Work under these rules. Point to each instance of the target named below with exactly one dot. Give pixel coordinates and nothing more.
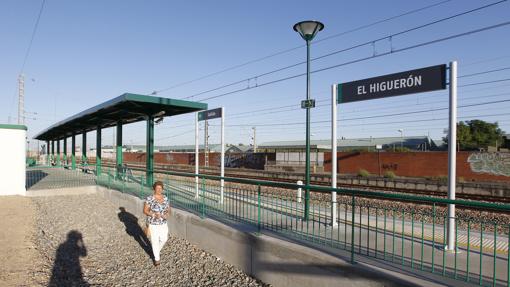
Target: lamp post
(308, 30)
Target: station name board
(409, 82)
(209, 114)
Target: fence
(401, 230)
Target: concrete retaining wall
(272, 260)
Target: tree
(477, 134)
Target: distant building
(292, 153)
(506, 141)
(213, 148)
(423, 143)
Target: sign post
(222, 168)
(196, 157)
(452, 155)
(207, 115)
(333, 156)
(403, 83)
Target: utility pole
(254, 139)
(206, 144)
(21, 99)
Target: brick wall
(411, 164)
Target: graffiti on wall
(390, 166)
(248, 160)
(493, 163)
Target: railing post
(299, 191)
(203, 197)
(141, 186)
(167, 184)
(258, 209)
(353, 206)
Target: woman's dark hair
(157, 183)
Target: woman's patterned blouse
(156, 206)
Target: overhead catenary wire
(422, 44)
(377, 116)
(29, 48)
(298, 107)
(484, 72)
(359, 28)
(342, 50)
(34, 31)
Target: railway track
(438, 194)
(464, 196)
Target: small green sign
(209, 114)
(308, 104)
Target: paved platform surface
(18, 253)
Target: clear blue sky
(86, 52)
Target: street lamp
(308, 30)
(401, 139)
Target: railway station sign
(209, 114)
(307, 104)
(403, 83)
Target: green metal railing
(402, 230)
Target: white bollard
(299, 190)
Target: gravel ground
(86, 241)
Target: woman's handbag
(147, 231)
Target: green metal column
(58, 153)
(84, 148)
(48, 160)
(52, 151)
(65, 151)
(73, 151)
(118, 148)
(98, 151)
(150, 151)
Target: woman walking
(157, 209)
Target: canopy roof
(127, 108)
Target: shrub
(389, 174)
(363, 173)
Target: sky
(86, 52)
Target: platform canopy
(127, 108)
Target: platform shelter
(125, 109)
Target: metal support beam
(150, 151)
(64, 142)
(98, 151)
(118, 149)
(52, 152)
(48, 159)
(58, 153)
(84, 148)
(73, 151)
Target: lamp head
(308, 29)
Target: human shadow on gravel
(66, 268)
(134, 230)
